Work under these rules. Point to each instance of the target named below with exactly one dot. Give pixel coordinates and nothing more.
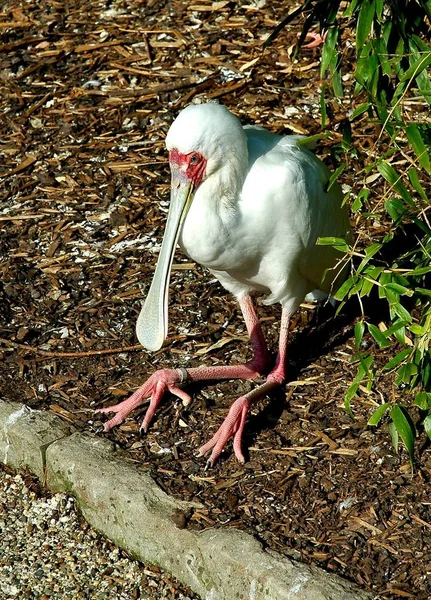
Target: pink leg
(168, 379)
(233, 425)
(317, 39)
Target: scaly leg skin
(233, 425)
(317, 39)
(168, 379)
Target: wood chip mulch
(88, 93)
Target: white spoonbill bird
(249, 205)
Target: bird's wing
(285, 193)
(328, 218)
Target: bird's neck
(229, 180)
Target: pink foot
(317, 39)
(160, 382)
(233, 426)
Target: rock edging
(120, 499)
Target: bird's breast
(207, 235)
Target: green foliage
(391, 59)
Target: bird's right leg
(317, 39)
(169, 379)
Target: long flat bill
(152, 324)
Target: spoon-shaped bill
(152, 324)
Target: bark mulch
(88, 93)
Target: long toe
(232, 427)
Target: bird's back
(293, 181)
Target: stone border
(121, 501)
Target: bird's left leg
(233, 425)
(169, 380)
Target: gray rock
(25, 434)
(120, 500)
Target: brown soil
(89, 91)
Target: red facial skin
(193, 165)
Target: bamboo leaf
(390, 174)
(417, 67)
(415, 139)
(329, 53)
(423, 400)
(402, 312)
(351, 393)
(399, 289)
(369, 253)
(359, 333)
(338, 243)
(418, 271)
(397, 359)
(427, 425)
(359, 110)
(345, 288)
(378, 414)
(380, 338)
(334, 176)
(393, 432)
(365, 21)
(405, 373)
(416, 184)
(405, 429)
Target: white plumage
(249, 205)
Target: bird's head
(204, 141)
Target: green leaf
(418, 271)
(417, 329)
(359, 333)
(338, 243)
(367, 286)
(402, 312)
(359, 110)
(365, 21)
(415, 139)
(323, 114)
(396, 209)
(362, 196)
(423, 400)
(396, 327)
(349, 286)
(427, 425)
(370, 251)
(356, 204)
(405, 373)
(390, 174)
(351, 8)
(379, 10)
(380, 338)
(399, 289)
(405, 429)
(329, 53)
(334, 176)
(423, 291)
(394, 435)
(416, 184)
(351, 393)
(418, 66)
(397, 359)
(378, 414)
(364, 367)
(400, 332)
(337, 84)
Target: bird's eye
(194, 159)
